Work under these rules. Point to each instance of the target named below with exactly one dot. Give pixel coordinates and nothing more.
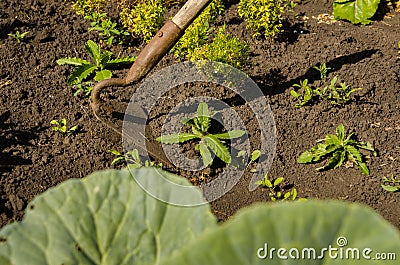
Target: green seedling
(84, 87)
(390, 184)
(19, 36)
(276, 192)
(323, 70)
(61, 126)
(337, 95)
(214, 142)
(101, 60)
(253, 158)
(305, 95)
(132, 159)
(106, 28)
(340, 149)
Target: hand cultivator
(155, 50)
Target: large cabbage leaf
(105, 218)
(251, 236)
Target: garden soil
(33, 91)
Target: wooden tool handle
(189, 12)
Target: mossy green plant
(199, 33)
(143, 18)
(224, 48)
(263, 15)
(86, 7)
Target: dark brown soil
(34, 92)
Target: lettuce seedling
(61, 126)
(341, 149)
(101, 61)
(133, 160)
(214, 142)
(276, 192)
(19, 36)
(305, 96)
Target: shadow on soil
(9, 138)
(274, 82)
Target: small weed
(19, 36)
(340, 149)
(84, 87)
(101, 60)
(108, 29)
(390, 184)
(337, 95)
(253, 158)
(132, 159)
(305, 95)
(61, 126)
(214, 142)
(276, 192)
(323, 70)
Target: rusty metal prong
(96, 105)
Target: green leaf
(104, 58)
(305, 157)
(218, 148)
(176, 138)
(105, 218)
(294, 94)
(331, 139)
(230, 135)
(205, 154)
(355, 11)
(103, 74)
(366, 146)
(255, 155)
(121, 61)
(116, 160)
(335, 161)
(80, 73)
(390, 188)
(340, 132)
(94, 51)
(202, 110)
(241, 153)
(72, 61)
(114, 152)
(278, 181)
(288, 226)
(358, 158)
